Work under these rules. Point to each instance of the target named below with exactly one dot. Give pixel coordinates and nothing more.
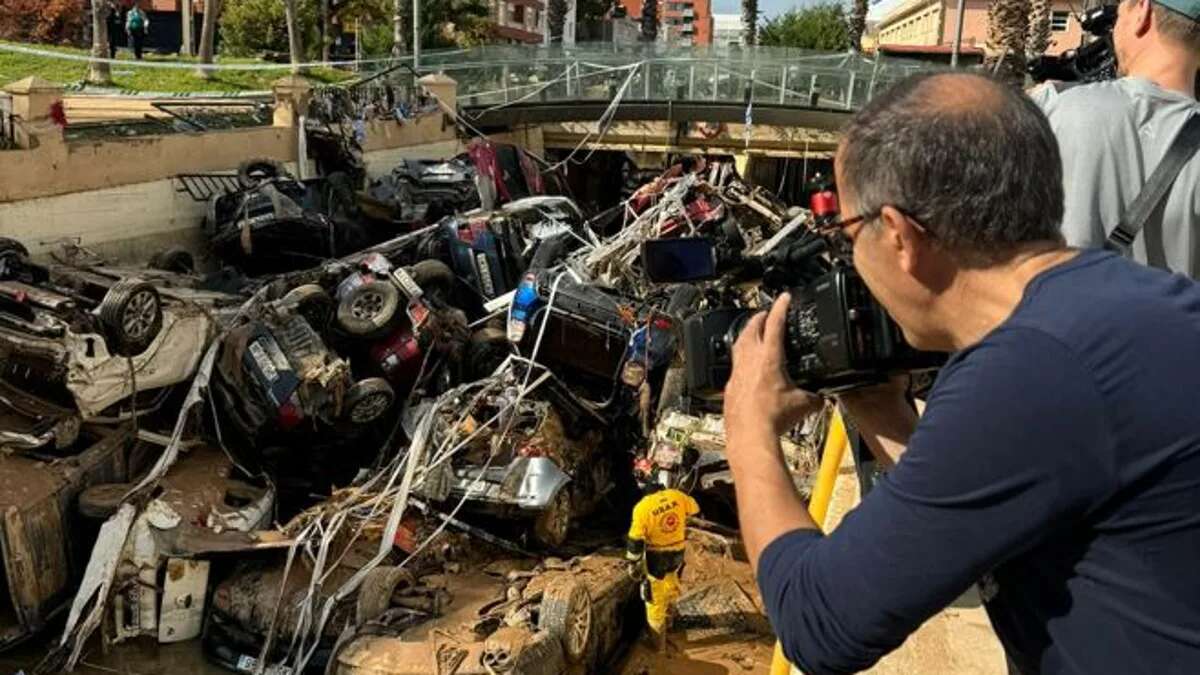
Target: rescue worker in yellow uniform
(655, 549)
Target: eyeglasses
(841, 244)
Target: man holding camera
(1058, 456)
(1113, 135)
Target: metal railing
(8, 125)
(503, 75)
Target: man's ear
(1144, 17)
(899, 233)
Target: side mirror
(679, 260)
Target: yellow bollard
(818, 506)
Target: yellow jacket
(660, 521)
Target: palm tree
(208, 33)
(1039, 28)
(1008, 27)
(556, 16)
(749, 21)
(399, 42)
(650, 21)
(858, 24)
(98, 71)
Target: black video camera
(838, 336)
(1091, 62)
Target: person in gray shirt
(1113, 134)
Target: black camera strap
(1146, 204)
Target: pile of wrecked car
(376, 425)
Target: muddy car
(549, 468)
(44, 542)
(276, 223)
(427, 190)
(559, 618)
(82, 339)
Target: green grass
(14, 66)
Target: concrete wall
(118, 197)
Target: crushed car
(80, 339)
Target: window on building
(1058, 20)
(518, 14)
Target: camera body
(1091, 62)
(838, 337)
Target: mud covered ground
(958, 641)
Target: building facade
(931, 23)
(518, 21)
(727, 29)
(680, 22)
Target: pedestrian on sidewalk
(114, 27)
(137, 24)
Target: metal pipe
(958, 29)
(416, 47)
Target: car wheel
(311, 302)
(375, 594)
(10, 246)
(131, 312)
(368, 310)
(102, 501)
(255, 171)
(174, 259)
(552, 524)
(12, 252)
(566, 612)
(434, 277)
(368, 400)
(486, 350)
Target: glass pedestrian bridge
(499, 76)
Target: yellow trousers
(663, 594)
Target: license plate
(407, 283)
(263, 361)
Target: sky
(770, 8)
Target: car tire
(375, 594)
(12, 253)
(255, 171)
(434, 277)
(369, 310)
(486, 350)
(12, 246)
(566, 612)
(552, 524)
(311, 302)
(174, 259)
(368, 400)
(100, 502)
(131, 313)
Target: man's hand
(883, 417)
(759, 395)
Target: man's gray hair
(972, 160)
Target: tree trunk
(325, 30)
(1039, 28)
(208, 33)
(650, 21)
(187, 27)
(858, 24)
(749, 22)
(99, 73)
(1008, 27)
(295, 46)
(398, 44)
(556, 16)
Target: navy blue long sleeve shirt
(1058, 458)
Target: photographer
(1058, 458)
(1113, 134)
